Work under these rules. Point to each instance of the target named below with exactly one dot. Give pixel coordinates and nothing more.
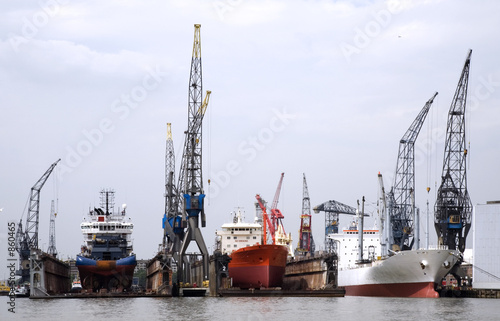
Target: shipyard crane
(453, 208)
(276, 215)
(51, 250)
(266, 220)
(332, 210)
(172, 227)
(190, 185)
(401, 207)
(28, 238)
(384, 222)
(306, 241)
(274, 222)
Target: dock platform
(233, 292)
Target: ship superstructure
(411, 273)
(238, 234)
(106, 259)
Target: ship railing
(437, 247)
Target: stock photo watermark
(249, 149)
(122, 108)
(31, 25)
(223, 7)
(364, 36)
(11, 265)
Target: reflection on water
(270, 308)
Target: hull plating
(258, 266)
(406, 274)
(108, 274)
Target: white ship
(413, 273)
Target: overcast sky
(325, 88)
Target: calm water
(268, 309)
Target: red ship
(258, 266)
(254, 263)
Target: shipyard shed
(486, 234)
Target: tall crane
(453, 208)
(28, 239)
(332, 210)
(52, 231)
(172, 227)
(401, 209)
(306, 241)
(190, 184)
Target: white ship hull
(406, 274)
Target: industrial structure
(306, 241)
(401, 198)
(184, 204)
(332, 210)
(453, 208)
(27, 239)
(51, 250)
(273, 222)
(45, 274)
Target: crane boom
(401, 210)
(332, 210)
(453, 209)
(34, 208)
(28, 239)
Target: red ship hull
(258, 266)
(407, 290)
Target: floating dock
(233, 292)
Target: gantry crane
(332, 210)
(306, 241)
(400, 198)
(453, 209)
(190, 186)
(28, 239)
(52, 231)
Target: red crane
(272, 221)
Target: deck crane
(51, 250)
(306, 241)
(453, 208)
(190, 185)
(400, 203)
(28, 239)
(332, 210)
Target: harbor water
(260, 308)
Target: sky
(325, 88)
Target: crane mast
(52, 231)
(306, 241)
(190, 185)
(401, 209)
(172, 230)
(453, 208)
